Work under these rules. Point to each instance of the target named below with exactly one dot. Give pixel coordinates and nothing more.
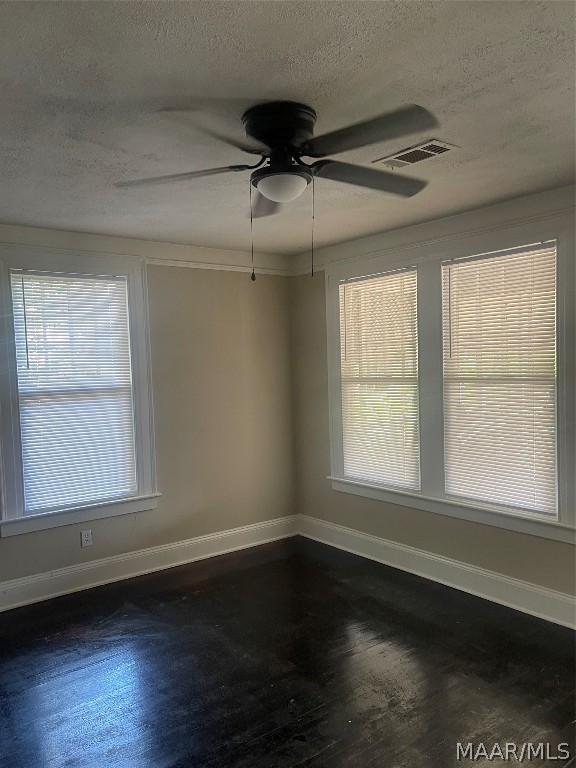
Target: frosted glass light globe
(282, 187)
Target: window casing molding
(13, 520)
(427, 257)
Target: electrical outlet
(86, 538)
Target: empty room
(287, 384)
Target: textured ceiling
(81, 84)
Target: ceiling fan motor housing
(280, 123)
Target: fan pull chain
(253, 275)
(312, 244)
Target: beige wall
(539, 561)
(241, 412)
(220, 366)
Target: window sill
(525, 523)
(46, 520)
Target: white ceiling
(81, 84)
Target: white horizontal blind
(499, 325)
(75, 389)
(379, 369)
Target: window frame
(428, 257)
(13, 520)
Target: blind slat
(75, 389)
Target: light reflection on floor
(110, 709)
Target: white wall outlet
(86, 538)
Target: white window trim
(428, 257)
(12, 519)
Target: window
(499, 318)
(450, 380)
(379, 364)
(76, 435)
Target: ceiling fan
(281, 132)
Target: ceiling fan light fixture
(281, 186)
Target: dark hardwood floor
(291, 654)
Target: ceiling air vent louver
(416, 154)
(437, 149)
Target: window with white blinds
(379, 379)
(499, 342)
(451, 378)
(75, 390)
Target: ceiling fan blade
(246, 145)
(182, 176)
(368, 177)
(401, 122)
(262, 206)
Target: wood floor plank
(291, 655)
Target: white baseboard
(43, 586)
(529, 598)
(547, 604)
